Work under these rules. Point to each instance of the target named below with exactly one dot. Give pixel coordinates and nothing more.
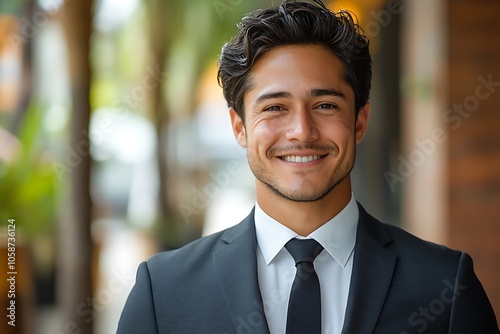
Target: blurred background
(115, 141)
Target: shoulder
(405, 239)
(407, 246)
(198, 254)
(191, 254)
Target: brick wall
(474, 132)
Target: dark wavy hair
(293, 23)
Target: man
(297, 81)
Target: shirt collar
(337, 236)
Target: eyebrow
(273, 95)
(313, 92)
(324, 92)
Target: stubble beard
(264, 176)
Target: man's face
(300, 126)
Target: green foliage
(10, 7)
(28, 183)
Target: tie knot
(303, 249)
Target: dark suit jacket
(400, 284)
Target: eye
(326, 106)
(274, 108)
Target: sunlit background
(115, 141)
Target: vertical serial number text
(11, 271)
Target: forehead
(298, 68)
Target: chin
(299, 195)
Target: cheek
(341, 134)
(336, 124)
(264, 135)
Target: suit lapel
(236, 266)
(372, 272)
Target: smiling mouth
(301, 159)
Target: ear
(238, 128)
(362, 122)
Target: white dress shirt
(276, 267)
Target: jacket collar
(236, 266)
(372, 273)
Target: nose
(302, 126)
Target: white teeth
(301, 159)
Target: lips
(301, 159)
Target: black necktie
(304, 307)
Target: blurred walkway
(122, 251)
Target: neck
(305, 217)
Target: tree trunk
(27, 72)
(159, 43)
(75, 277)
